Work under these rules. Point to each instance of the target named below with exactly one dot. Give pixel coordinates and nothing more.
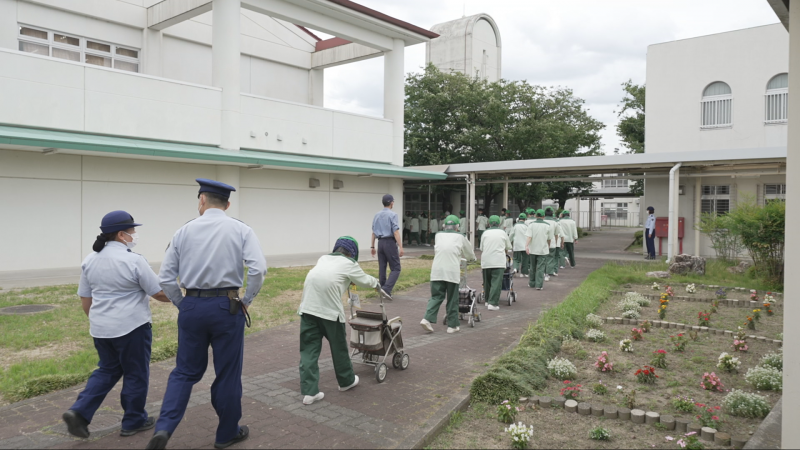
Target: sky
(589, 46)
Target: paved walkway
(394, 414)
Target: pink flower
(682, 443)
(714, 418)
(691, 434)
(669, 438)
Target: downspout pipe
(672, 233)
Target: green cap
(494, 220)
(452, 220)
(462, 212)
(565, 212)
(523, 216)
(529, 211)
(548, 209)
(540, 212)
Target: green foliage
(507, 411)
(745, 404)
(44, 384)
(762, 230)
(638, 237)
(600, 389)
(684, 404)
(164, 350)
(726, 243)
(600, 434)
(630, 127)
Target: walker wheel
(397, 359)
(514, 297)
(478, 318)
(380, 372)
(471, 321)
(509, 299)
(405, 361)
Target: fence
(603, 218)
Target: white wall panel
(46, 233)
(351, 215)
(8, 24)
(14, 164)
(274, 80)
(186, 61)
(292, 122)
(377, 186)
(90, 19)
(357, 137)
(46, 105)
(133, 85)
(283, 180)
(118, 170)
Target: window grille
(715, 199)
(716, 107)
(78, 49)
(776, 99)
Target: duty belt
(220, 292)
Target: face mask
(134, 241)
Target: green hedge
(523, 370)
(638, 237)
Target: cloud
(589, 46)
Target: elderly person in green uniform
(570, 229)
(423, 229)
(482, 221)
(551, 268)
(322, 315)
(463, 223)
(434, 228)
(537, 245)
(508, 222)
(450, 247)
(531, 213)
(414, 230)
(494, 245)
(517, 237)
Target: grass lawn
(56, 346)
(522, 372)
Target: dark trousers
(521, 262)
(569, 247)
(126, 357)
(388, 254)
(203, 322)
(441, 291)
(312, 330)
(551, 266)
(537, 269)
(651, 244)
(492, 285)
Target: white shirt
(508, 224)
(483, 221)
(494, 245)
(120, 284)
(539, 231)
(554, 231)
(415, 225)
(518, 237)
(651, 223)
(327, 282)
(463, 226)
(434, 226)
(423, 223)
(570, 229)
(210, 252)
(450, 247)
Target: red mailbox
(662, 231)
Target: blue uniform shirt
(120, 284)
(385, 223)
(650, 225)
(210, 253)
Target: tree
(452, 118)
(630, 128)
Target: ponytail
(100, 241)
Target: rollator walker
(467, 300)
(374, 338)
(508, 283)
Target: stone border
(714, 287)
(685, 327)
(722, 302)
(637, 416)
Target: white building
(717, 93)
(469, 45)
(121, 104)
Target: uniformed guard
(414, 230)
(551, 268)
(570, 229)
(208, 256)
(494, 245)
(650, 233)
(450, 247)
(115, 289)
(517, 238)
(482, 221)
(537, 245)
(322, 315)
(434, 228)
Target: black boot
(244, 433)
(148, 424)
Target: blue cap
(650, 208)
(388, 199)
(215, 187)
(117, 221)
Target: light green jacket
(483, 222)
(556, 232)
(508, 225)
(518, 237)
(434, 225)
(539, 231)
(463, 226)
(494, 245)
(570, 229)
(450, 247)
(327, 282)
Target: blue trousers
(126, 357)
(203, 322)
(388, 253)
(651, 244)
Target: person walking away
(531, 213)
(551, 268)
(570, 229)
(208, 256)
(450, 247)
(494, 245)
(508, 223)
(650, 233)
(115, 289)
(423, 229)
(414, 235)
(537, 245)
(518, 239)
(386, 229)
(481, 221)
(322, 315)
(434, 228)
(463, 225)
(561, 253)
(407, 227)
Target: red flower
(647, 372)
(717, 408)
(714, 418)
(700, 404)
(566, 381)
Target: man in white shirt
(570, 229)
(508, 222)
(414, 230)
(434, 228)
(517, 237)
(539, 236)
(494, 245)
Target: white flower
(619, 387)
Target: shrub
(638, 237)
(627, 304)
(645, 326)
(595, 335)
(603, 363)
(507, 411)
(630, 314)
(638, 298)
(636, 334)
(745, 404)
(740, 345)
(774, 360)
(703, 319)
(600, 388)
(561, 368)
(709, 416)
(726, 244)
(569, 391)
(679, 342)
(594, 320)
(520, 435)
(571, 346)
(711, 382)
(646, 375)
(600, 434)
(765, 378)
(659, 359)
(683, 404)
(762, 233)
(728, 363)
(626, 345)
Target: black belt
(385, 237)
(220, 292)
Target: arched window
(776, 100)
(716, 107)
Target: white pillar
(471, 209)
(790, 432)
(226, 66)
(577, 217)
(9, 29)
(698, 187)
(152, 52)
(394, 97)
(316, 87)
(676, 213)
(505, 194)
(230, 175)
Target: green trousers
(478, 237)
(413, 236)
(569, 248)
(432, 238)
(551, 266)
(492, 285)
(441, 291)
(538, 263)
(312, 330)
(422, 235)
(521, 262)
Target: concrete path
(398, 413)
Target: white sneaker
(342, 389)
(307, 400)
(538, 289)
(453, 330)
(547, 278)
(553, 274)
(492, 307)
(562, 267)
(426, 325)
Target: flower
(619, 387)
(691, 433)
(669, 438)
(682, 443)
(714, 417)
(567, 382)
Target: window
(615, 183)
(615, 210)
(716, 107)
(716, 199)
(776, 100)
(774, 192)
(78, 49)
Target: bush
(638, 237)
(726, 243)
(595, 335)
(727, 362)
(629, 304)
(774, 360)
(630, 314)
(46, 383)
(166, 350)
(561, 368)
(684, 404)
(600, 434)
(638, 298)
(571, 346)
(765, 378)
(745, 404)
(594, 320)
(761, 229)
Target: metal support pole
(428, 214)
(471, 209)
(698, 186)
(505, 194)
(578, 211)
(672, 233)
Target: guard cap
(215, 187)
(117, 221)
